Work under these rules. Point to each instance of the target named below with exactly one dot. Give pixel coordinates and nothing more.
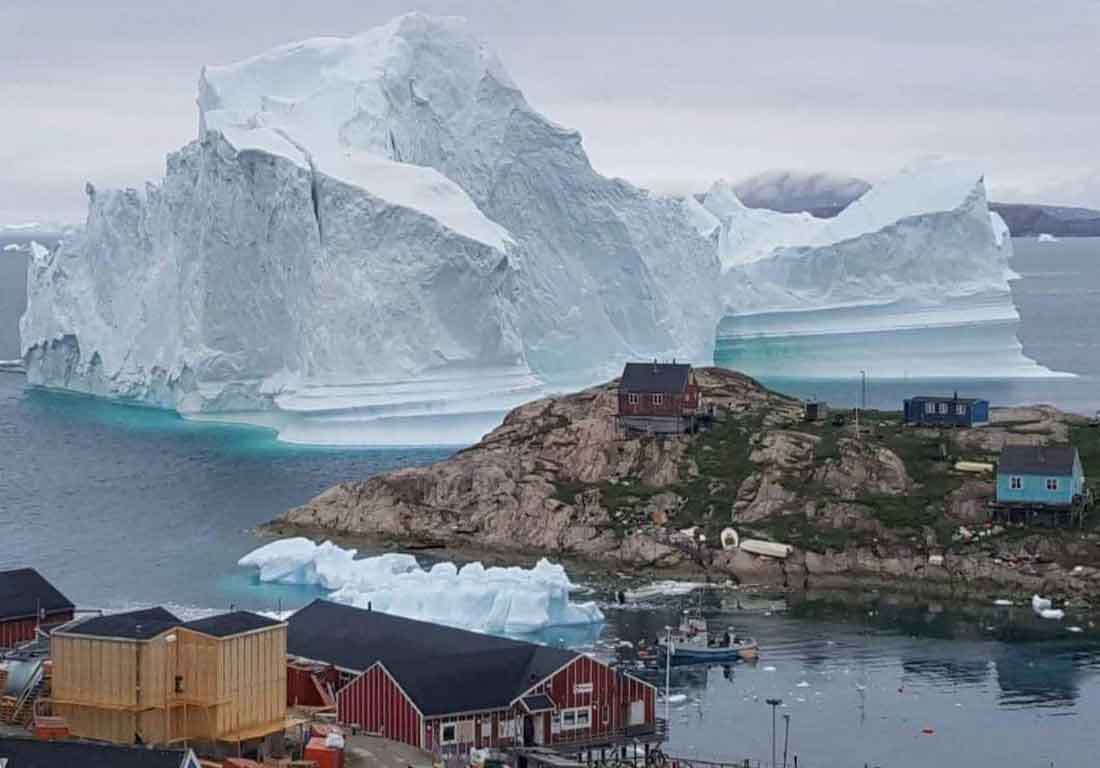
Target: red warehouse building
(27, 602)
(659, 398)
(448, 690)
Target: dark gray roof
(24, 590)
(538, 702)
(132, 625)
(228, 624)
(1037, 460)
(946, 399)
(31, 753)
(655, 377)
(443, 670)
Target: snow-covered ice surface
(511, 600)
(377, 240)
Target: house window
(943, 409)
(448, 733)
(658, 399)
(960, 410)
(929, 408)
(576, 718)
(1052, 484)
(606, 714)
(1016, 483)
(507, 729)
(632, 398)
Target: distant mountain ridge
(824, 195)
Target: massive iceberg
(376, 239)
(498, 600)
(920, 255)
(367, 230)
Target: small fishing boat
(693, 643)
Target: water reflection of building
(962, 670)
(1030, 676)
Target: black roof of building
(24, 591)
(946, 399)
(1037, 460)
(31, 753)
(537, 702)
(132, 625)
(655, 377)
(443, 670)
(229, 624)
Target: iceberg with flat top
(512, 600)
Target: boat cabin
(659, 398)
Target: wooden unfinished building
(146, 677)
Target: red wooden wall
(610, 698)
(301, 690)
(375, 703)
(17, 631)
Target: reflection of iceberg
(501, 600)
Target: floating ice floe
(1002, 602)
(1046, 237)
(677, 698)
(1039, 603)
(666, 588)
(501, 600)
(1075, 630)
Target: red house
(28, 601)
(447, 690)
(658, 398)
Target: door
(528, 731)
(637, 713)
(540, 728)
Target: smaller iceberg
(511, 601)
(1045, 237)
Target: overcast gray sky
(667, 94)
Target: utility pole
(773, 703)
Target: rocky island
(880, 502)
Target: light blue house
(1040, 475)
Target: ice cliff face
(379, 224)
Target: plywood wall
(113, 689)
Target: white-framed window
(487, 728)
(1052, 484)
(507, 729)
(606, 714)
(929, 408)
(943, 409)
(576, 718)
(1016, 483)
(658, 399)
(960, 410)
(448, 733)
(632, 398)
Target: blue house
(1040, 475)
(951, 411)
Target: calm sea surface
(124, 506)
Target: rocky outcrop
(883, 505)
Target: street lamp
(773, 703)
(786, 736)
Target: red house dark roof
(443, 670)
(655, 377)
(23, 592)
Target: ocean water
(124, 506)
